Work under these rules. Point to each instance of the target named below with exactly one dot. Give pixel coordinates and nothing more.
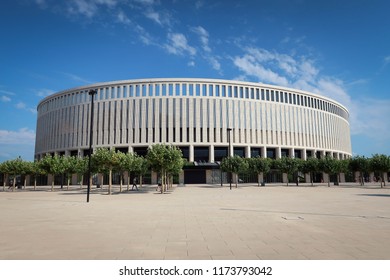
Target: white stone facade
(194, 114)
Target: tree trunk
(128, 180)
(109, 181)
(13, 185)
(81, 181)
(5, 181)
(35, 183)
(258, 179)
(120, 186)
(140, 181)
(25, 182)
(162, 182)
(52, 184)
(68, 183)
(236, 180)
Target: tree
(25, 169)
(140, 167)
(310, 166)
(260, 166)
(126, 164)
(165, 160)
(35, 171)
(328, 165)
(52, 165)
(381, 164)
(5, 171)
(287, 165)
(14, 168)
(69, 167)
(106, 160)
(359, 164)
(81, 167)
(342, 166)
(120, 158)
(234, 165)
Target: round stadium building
(207, 119)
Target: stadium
(208, 119)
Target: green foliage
(381, 164)
(166, 160)
(235, 164)
(288, 165)
(329, 165)
(259, 164)
(359, 164)
(53, 165)
(105, 161)
(310, 166)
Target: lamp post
(229, 155)
(92, 93)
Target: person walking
(135, 183)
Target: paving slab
(197, 222)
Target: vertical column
(211, 153)
(170, 112)
(163, 120)
(191, 153)
(191, 120)
(149, 125)
(248, 151)
(134, 120)
(211, 126)
(278, 151)
(217, 125)
(263, 151)
(117, 122)
(197, 120)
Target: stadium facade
(207, 119)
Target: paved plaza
(198, 222)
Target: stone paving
(197, 222)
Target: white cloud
(41, 3)
(144, 36)
(23, 106)
(44, 92)
(5, 98)
(7, 92)
(122, 18)
(214, 63)
(199, 4)
(204, 37)
(191, 63)
(145, 2)
(252, 67)
(386, 60)
(154, 16)
(370, 118)
(82, 7)
(23, 136)
(366, 115)
(177, 44)
(88, 8)
(77, 78)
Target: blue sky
(340, 49)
